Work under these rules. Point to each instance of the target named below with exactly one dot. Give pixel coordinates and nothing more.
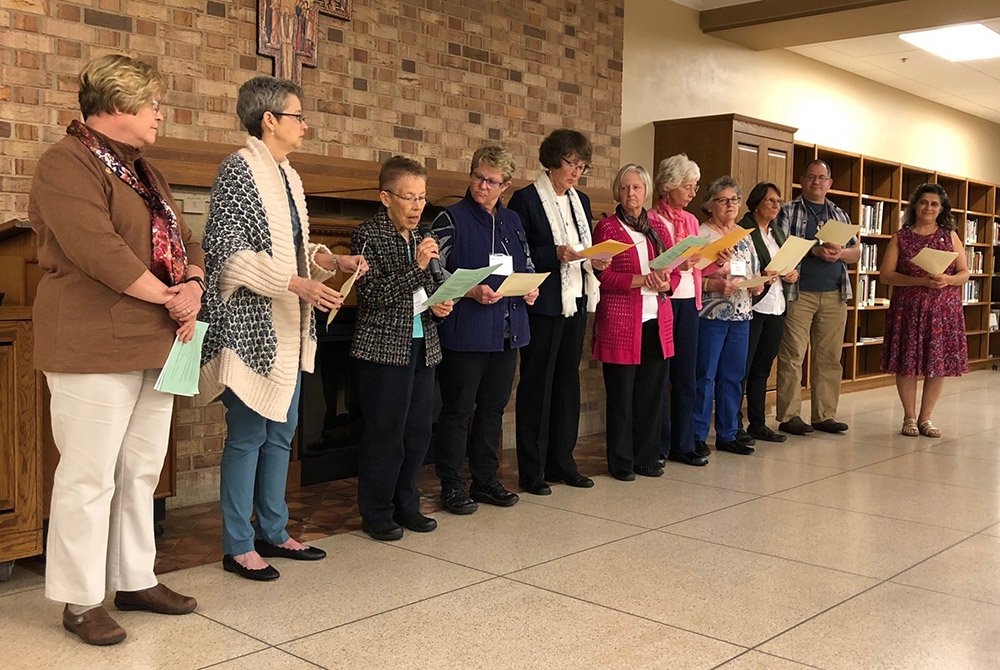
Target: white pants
(111, 431)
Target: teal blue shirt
(418, 323)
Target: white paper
(506, 263)
(419, 298)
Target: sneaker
(494, 494)
(457, 501)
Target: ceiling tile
(825, 54)
(870, 46)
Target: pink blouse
(685, 224)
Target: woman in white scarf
(557, 222)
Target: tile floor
(865, 550)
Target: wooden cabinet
(20, 430)
(748, 149)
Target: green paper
(458, 284)
(180, 373)
(674, 252)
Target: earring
(272, 133)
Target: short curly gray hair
(263, 94)
(674, 171)
(637, 169)
(716, 187)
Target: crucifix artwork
(287, 32)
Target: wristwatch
(198, 280)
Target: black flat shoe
(457, 501)
(795, 426)
(624, 476)
(267, 574)
(535, 488)
(418, 523)
(494, 494)
(385, 530)
(690, 458)
(745, 438)
(734, 447)
(701, 448)
(576, 479)
(268, 550)
(831, 426)
(649, 470)
(766, 434)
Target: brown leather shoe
(157, 599)
(93, 626)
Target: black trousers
(677, 422)
(765, 338)
(634, 401)
(480, 380)
(396, 412)
(548, 396)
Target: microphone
(435, 264)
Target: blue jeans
(254, 470)
(722, 360)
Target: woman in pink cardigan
(633, 329)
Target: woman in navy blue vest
(556, 219)
(481, 339)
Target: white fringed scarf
(547, 195)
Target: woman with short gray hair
(264, 278)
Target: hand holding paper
(180, 373)
(837, 232)
(710, 252)
(789, 255)
(676, 254)
(519, 284)
(605, 250)
(458, 284)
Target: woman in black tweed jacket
(396, 344)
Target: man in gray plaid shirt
(817, 308)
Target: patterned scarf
(640, 224)
(169, 263)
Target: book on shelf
(872, 218)
(869, 257)
(970, 291)
(867, 286)
(996, 232)
(870, 340)
(994, 320)
(975, 260)
(972, 231)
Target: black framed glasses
(298, 117)
(480, 179)
(582, 168)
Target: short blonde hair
(118, 83)
(674, 171)
(637, 169)
(496, 157)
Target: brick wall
(432, 79)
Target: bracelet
(198, 280)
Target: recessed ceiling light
(958, 43)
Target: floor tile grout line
(625, 612)
(911, 479)
(579, 551)
(855, 596)
(31, 588)
(278, 645)
(763, 553)
(391, 545)
(584, 514)
(721, 509)
(765, 653)
(944, 593)
(233, 628)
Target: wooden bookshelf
(874, 192)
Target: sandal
(928, 429)
(909, 428)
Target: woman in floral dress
(925, 326)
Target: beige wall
(672, 70)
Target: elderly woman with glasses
(633, 329)
(481, 338)
(122, 276)
(557, 219)
(264, 279)
(397, 347)
(676, 185)
(724, 330)
(768, 322)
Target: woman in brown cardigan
(123, 275)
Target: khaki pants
(816, 318)
(111, 431)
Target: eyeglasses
(410, 199)
(778, 202)
(727, 201)
(299, 117)
(690, 188)
(582, 168)
(156, 105)
(492, 183)
(815, 177)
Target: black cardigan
(763, 255)
(528, 206)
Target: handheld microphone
(435, 264)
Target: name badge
(419, 298)
(579, 247)
(506, 263)
(738, 268)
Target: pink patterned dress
(925, 328)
